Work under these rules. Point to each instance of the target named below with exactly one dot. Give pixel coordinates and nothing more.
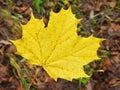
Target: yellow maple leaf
(57, 48)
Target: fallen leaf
(57, 48)
(3, 72)
(112, 4)
(114, 29)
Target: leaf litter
(105, 23)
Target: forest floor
(100, 18)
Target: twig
(36, 73)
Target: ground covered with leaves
(100, 18)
